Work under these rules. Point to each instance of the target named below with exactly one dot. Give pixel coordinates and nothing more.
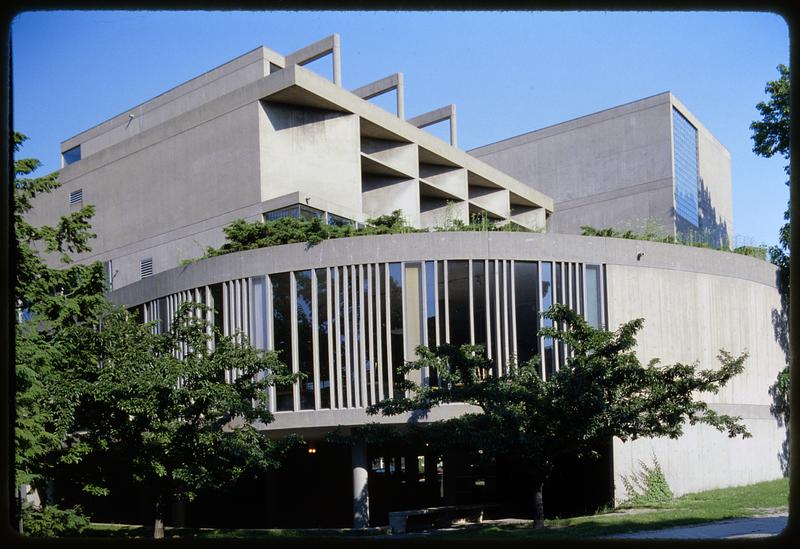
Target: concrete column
(337, 63)
(453, 127)
(360, 488)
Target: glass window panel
(492, 332)
(479, 302)
(344, 334)
(441, 304)
(383, 298)
(430, 301)
(547, 302)
(259, 312)
(355, 364)
(367, 328)
(396, 316)
(526, 285)
(72, 155)
(685, 165)
(305, 347)
(458, 290)
(593, 303)
(322, 338)
(282, 334)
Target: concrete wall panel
(311, 151)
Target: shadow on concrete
(779, 391)
(709, 230)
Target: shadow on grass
(140, 532)
(584, 530)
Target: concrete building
(645, 165)
(262, 137)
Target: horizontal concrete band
(447, 245)
(314, 423)
(319, 422)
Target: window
(594, 303)
(146, 267)
(109, 274)
(76, 198)
(305, 358)
(71, 156)
(684, 137)
(526, 285)
(298, 211)
(282, 334)
(458, 297)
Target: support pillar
(360, 488)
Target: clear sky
(507, 72)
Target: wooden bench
(438, 517)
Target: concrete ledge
(447, 245)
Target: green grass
(746, 501)
(713, 505)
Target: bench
(438, 517)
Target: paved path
(754, 527)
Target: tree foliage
(602, 392)
(92, 382)
(771, 136)
(48, 300)
(245, 235)
(175, 408)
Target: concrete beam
(438, 115)
(384, 85)
(317, 50)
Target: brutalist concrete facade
(257, 134)
(616, 168)
(261, 133)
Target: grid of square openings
(685, 157)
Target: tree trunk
(158, 527)
(538, 505)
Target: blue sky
(507, 72)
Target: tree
(602, 392)
(47, 300)
(93, 384)
(770, 137)
(160, 405)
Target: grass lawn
(746, 501)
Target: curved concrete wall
(694, 301)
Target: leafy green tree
(770, 137)
(163, 406)
(602, 392)
(47, 301)
(93, 384)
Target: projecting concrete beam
(438, 115)
(315, 51)
(379, 87)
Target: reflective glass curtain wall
(684, 138)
